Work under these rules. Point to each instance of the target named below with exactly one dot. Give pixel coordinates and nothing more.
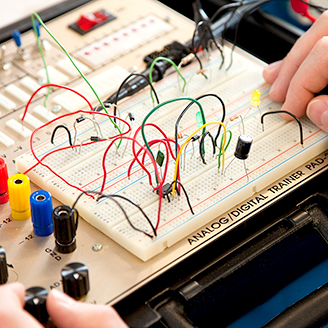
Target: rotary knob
(75, 278)
(35, 303)
(3, 267)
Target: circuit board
(215, 193)
(210, 190)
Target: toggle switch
(21, 53)
(90, 21)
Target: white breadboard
(275, 152)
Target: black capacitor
(35, 303)
(243, 146)
(3, 267)
(75, 277)
(65, 221)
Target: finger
(303, 86)
(296, 56)
(271, 72)
(67, 313)
(317, 111)
(12, 314)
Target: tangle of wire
(125, 81)
(112, 197)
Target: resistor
(186, 60)
(233, 118)
(19, 196)
(180, 135)
(256, 98)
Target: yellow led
(19, 196)
(256, 98)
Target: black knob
(35, 303)
(76, 280)
(3, 267)
(65, 224)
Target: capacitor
(65, 221)
(3, 267)
(19, 196)
(35, 303)
(256, 98)
(41, 213)
(3, 182)
(75, 279)
(243, 146)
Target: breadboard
(274, 153)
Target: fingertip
(57, 300)
(17, 289)
(317, 112)
(286, 116)
(271, 72)
(68, 313)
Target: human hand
(64, 311)
(302, 73)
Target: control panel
(98, 198)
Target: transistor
(166, 191)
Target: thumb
(12, 314)
(317, 112)
(65, 312)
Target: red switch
(88, 21)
